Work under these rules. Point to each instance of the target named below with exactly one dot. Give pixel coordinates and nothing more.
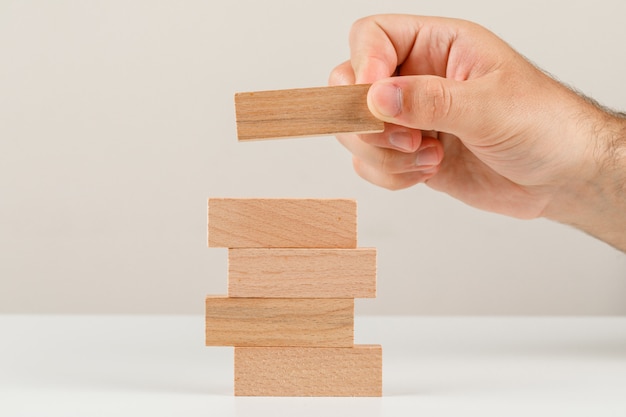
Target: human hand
(471, 117)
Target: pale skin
(469, 116)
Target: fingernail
(427, 157)
(402, 141)
(386, 98)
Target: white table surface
(158, 366)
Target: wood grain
(302, 273)
(279, 322)
(304, 112)
(286, 223)
(339, 372)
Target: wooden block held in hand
(279, 322)
(286, 223)
(304, 112)
(302, 273)
(320, 372)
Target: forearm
(597, 204)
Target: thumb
(428, 102)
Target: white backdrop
(117, 122)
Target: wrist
(593, 198)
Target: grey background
(117, 122)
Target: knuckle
(398, 182)
(361, 23)
(389, 181)
(388, 161)
(357, 27)
(433, 102)
(337, 77)
(396, 162)
(394, 184)
(359, 167)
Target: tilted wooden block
(289, 371)
(279, 322)
(286, 223)
(302, 273)
(304, 112)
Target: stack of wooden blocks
(294, 270)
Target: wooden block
(279, 322)
(304, 112)
(287, 223)
(320, 372)
(302, 273)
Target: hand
(471, 117)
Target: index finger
(382, 45)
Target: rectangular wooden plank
(319, 372)
(279, 322)
(299, 112)
(287, 223)
(302, 273)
